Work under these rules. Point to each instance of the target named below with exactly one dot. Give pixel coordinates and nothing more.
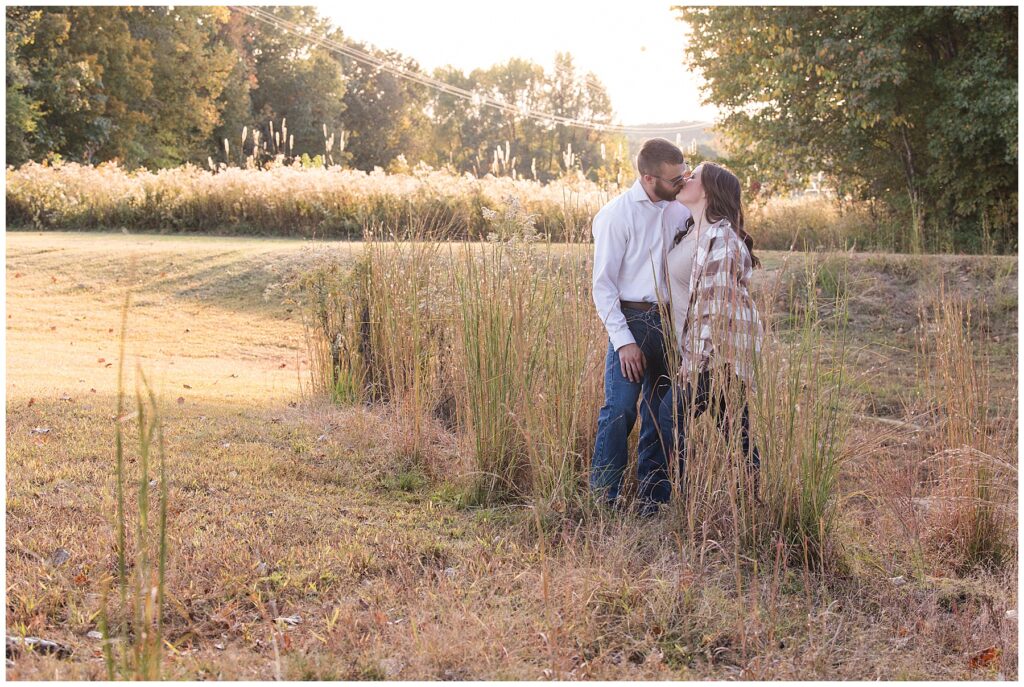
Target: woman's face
(692, 190)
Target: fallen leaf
(181, 400)
(31, 401)
(18, 275)
(110, 331)
(984, 657)
(108, 364)
(53, 279)
(53, 328)
(101, 360)
(81, 579)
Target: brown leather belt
(638, 305)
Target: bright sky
(635, 47)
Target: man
(631, 235)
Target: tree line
(916, 106)
(157, 87)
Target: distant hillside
(703, 135)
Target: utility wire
(476, 98)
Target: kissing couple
(672, 266)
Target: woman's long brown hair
(723, 201)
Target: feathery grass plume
(568, 158)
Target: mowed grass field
(284, 506)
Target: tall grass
(798, 422)
(805, 417)
(530, 363)
(974, 467)
(495, 339)
(298, 199)
(139, 644)
(289, 200)
(516, 343)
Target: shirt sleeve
(609, 248)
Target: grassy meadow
(289, 199)
(376, 459)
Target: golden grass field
(282, 505)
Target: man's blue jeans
(619, 412)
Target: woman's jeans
(619, 412)
(655, 485)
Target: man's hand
(633, 362)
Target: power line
(476, 98)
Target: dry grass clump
(972, 454)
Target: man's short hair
(656, 151)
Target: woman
(717, 328)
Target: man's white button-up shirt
(631, 233)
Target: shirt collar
(637, 193)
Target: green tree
(190, 68)
(23, 110)
(877, 98)
(384, 112)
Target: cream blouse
(679, 264)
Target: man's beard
(663, 194)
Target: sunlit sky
(635, 47)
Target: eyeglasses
(675, 181)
